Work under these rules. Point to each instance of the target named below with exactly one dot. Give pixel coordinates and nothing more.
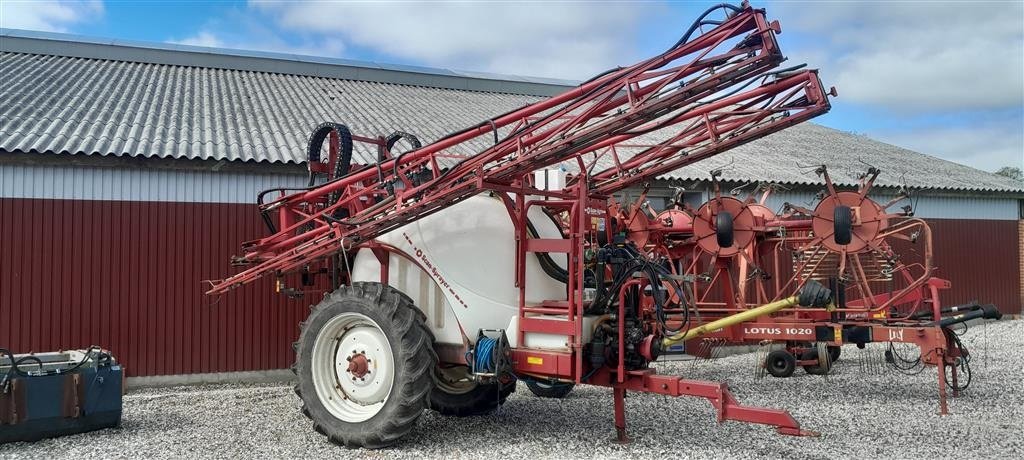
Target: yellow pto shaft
(812, 294)
(730, 321)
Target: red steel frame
(606, 111)
(697, 90)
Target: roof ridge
(80, 46)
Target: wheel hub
(358, 365)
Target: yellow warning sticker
(838, 334)
(534, 360)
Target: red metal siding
(126, 276)
(982, 260)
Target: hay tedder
(447, 278)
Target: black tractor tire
(412, 354)
(780, 363)
(724, 234)
(842, 225)
(549, 390)
(506, 391)
(481, 400)
(819, 368)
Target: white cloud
(266, 42)
(912, 57)
(570, 40)
(203, 38)
(243, 30)
(986, 146)
(48, 16)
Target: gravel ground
(860, 412)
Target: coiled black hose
(343, 147)
(390, 142)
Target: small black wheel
(457, 394)
(723, 229)
(780, 363)
(821, 368)
(833, 353)
(842, 225)
(549, 390)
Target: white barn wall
(137, 184)
(927, 207)
(964, 206)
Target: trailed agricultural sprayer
(452, 277)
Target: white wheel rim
(352, 392)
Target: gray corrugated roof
(75, 105)
(790, 156)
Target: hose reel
(491, 357)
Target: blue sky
(943, 78)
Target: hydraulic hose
(547, 263)
(924, 313)
(985, 312)
(700, 21)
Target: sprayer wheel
(549, 390)
(780, 363)
(364, 362)
(464, 397)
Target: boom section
(701, 97)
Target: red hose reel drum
(723, 226)
(675, 221)
(639, 229)
(762, 211)
(847, 221)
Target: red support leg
(620, 416)
(730, 409)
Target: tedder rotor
(446, 278)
